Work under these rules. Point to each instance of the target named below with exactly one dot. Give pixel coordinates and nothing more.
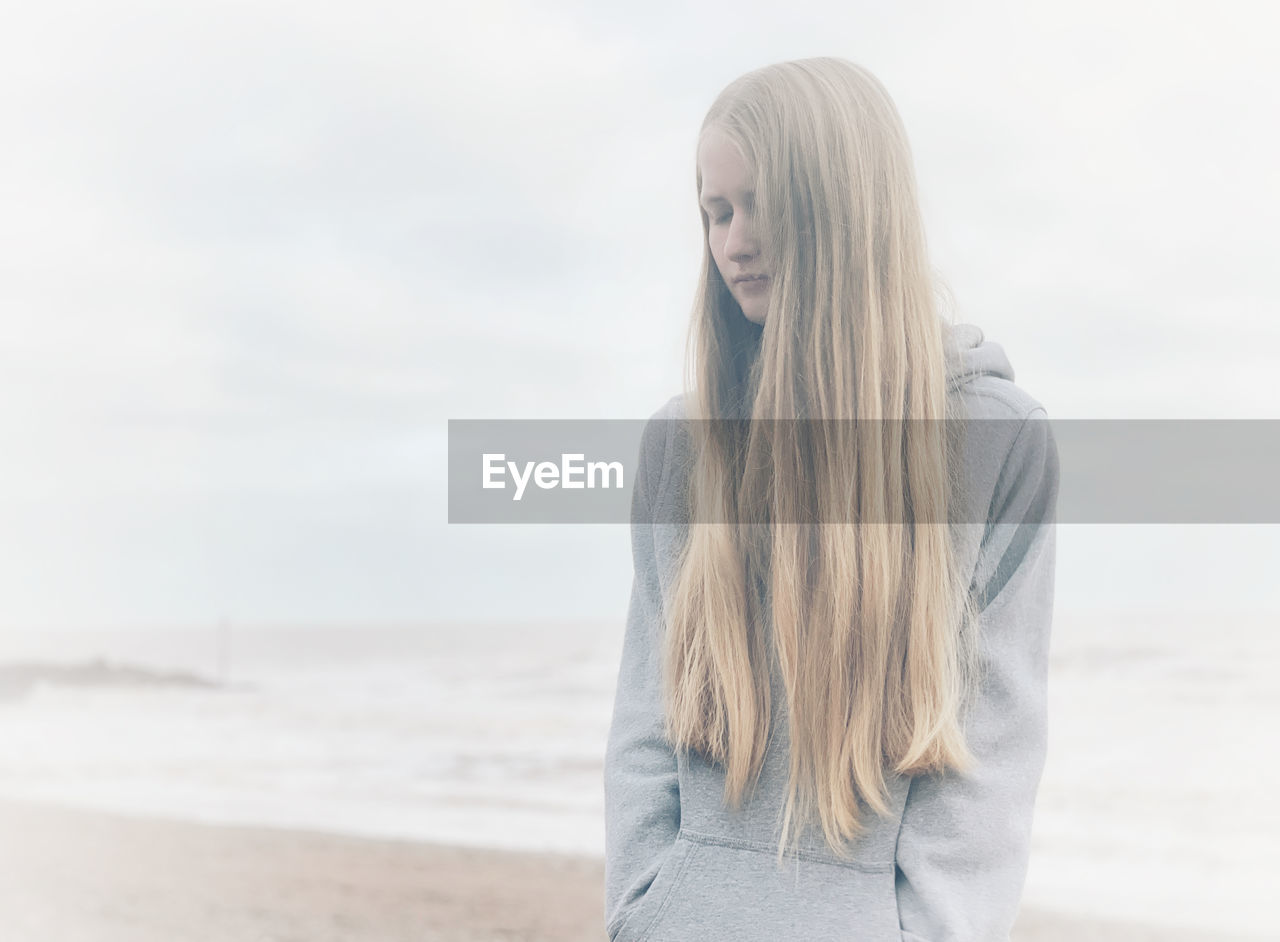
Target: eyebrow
(708, 200)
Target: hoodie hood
(970, 355)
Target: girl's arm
(641, 789)
(965, 840)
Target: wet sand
(85, 876)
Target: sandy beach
(85, 876)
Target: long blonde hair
(839, 534)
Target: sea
(1158, 803)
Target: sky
(257, 255)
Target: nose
(740, 245)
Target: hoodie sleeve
(641, 787)
(964, 843)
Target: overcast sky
(256, 256)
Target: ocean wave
(18, 679)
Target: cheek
(717, 252)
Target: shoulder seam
(666, 459)
(665, 416)
(1011, 401)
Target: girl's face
(729, 202)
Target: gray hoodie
(950, 861)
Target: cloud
(257, 254)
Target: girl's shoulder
(979, 372)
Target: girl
(830, 720)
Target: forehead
(724, 172)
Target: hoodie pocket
(646, 911)
(722, 889)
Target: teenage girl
(830, 720)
